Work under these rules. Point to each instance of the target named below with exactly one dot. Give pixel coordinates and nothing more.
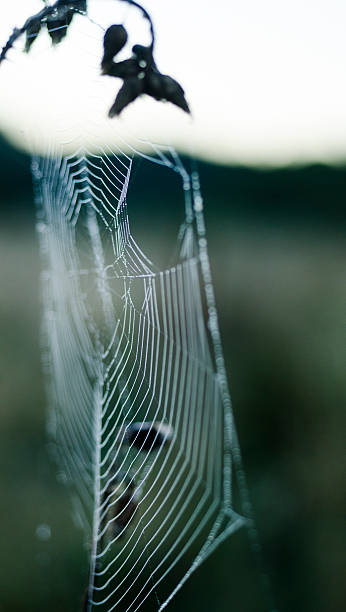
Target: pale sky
(265, 79)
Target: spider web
(129, 343)
(129, 346)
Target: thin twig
(146, 16)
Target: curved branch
(146, 16)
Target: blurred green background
(278, 256)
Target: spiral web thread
(127, 342)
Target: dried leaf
(57, 26)
(32, 33)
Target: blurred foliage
(278, 257)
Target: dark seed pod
(114, 40)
